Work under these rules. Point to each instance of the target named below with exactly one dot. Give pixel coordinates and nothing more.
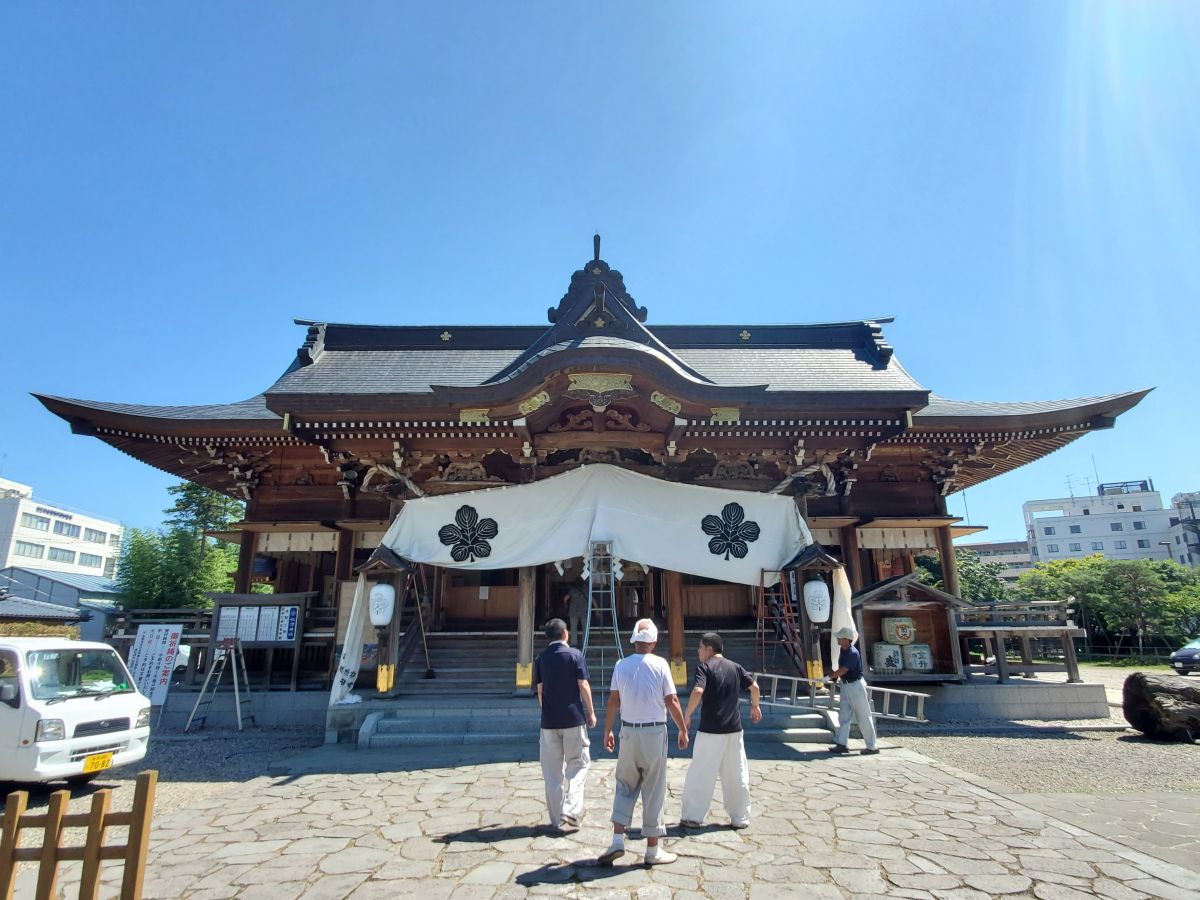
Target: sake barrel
(917, 658)
(887, 658)
(899, 630)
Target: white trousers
(713, 755)
(565, 759)
(854, 704)
(642, 772)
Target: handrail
(883, 709)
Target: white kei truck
(68, 710)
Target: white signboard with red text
(152, 660)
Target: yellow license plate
(97, 762)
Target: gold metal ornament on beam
(726, 415)
(661, 400)
(534, 403)
(473, 417)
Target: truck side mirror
(8, 694)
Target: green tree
(139, 569)
(198, 511)
(978, 581)
(1134, 598)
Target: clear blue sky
(1017, 182)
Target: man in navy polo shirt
(565, 697)
(854, 704)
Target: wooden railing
(1034, 614)
(56, 819)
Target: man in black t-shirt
(565, 697)
(719, 748)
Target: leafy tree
(139, 569)
(198, 510)
(979, 581)
(1133, 598)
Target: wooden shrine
(367, 416)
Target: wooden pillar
(343, 565)
(673, 583)
(245, 567)
(525, 611)
(1070, 659)
(949, 564)
(851, 557)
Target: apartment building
(39, 535)
(1123, 520)
(1013, 555)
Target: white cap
(644, 632)
(848, 634)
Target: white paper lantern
(816, 600)
(383, 604)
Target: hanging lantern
(383, 604)
(816, 600)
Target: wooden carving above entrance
(610, 419)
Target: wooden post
(1070, 659)
(1001, 658)
(525, 611)
(343, 565)
(138, 842)
(1027, 658)
(89, 881)
(245, 566)
(674, 590)
(949, 563)
(47, 883)
(14, 808)
(851, 557)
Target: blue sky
(1016, 182)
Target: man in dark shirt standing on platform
(853, 705)
(720, 749)
(565, 697)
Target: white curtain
(712, 532)
(841, 615)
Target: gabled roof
(20, 608)
(912, 582)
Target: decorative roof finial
(596, 247)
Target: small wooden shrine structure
(923, 617)
(367, 416)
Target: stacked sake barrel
(899, 651)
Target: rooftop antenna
(596, 247)
(1071, 486)
(1095, 471)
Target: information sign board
(152, 660)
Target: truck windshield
(63, 673)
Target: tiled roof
(941, 408)
(392, 371)
(20, 608)
(800, 369)
(254, 409)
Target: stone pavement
(469, 824)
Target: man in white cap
(853, 704)
(642, 692)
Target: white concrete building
(1123, 520)
(36, 534)
(1013, 555)
(1185, 528)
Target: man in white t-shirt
(643, 692)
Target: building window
(1177, 539)
(1076, 529)
(1118, 545)
(1139, 526)
(1137, 509)
(1052, 548)
(1120, 506)
(1048, 529)
(96, 537)
(1075, 548)
(33, 551)
(1183, 559)
(38, 523)
(1087, 512)
(57, 554)
(110, 567)
(1116, 526)
(1143, 544)
(66, 529)
(91, 560)
(114, 540)
(1097, 545)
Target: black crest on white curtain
(469, 536)
(731, 532)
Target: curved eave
(246, 417)
(970, 415)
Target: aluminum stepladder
(228, 648)
(601, 632)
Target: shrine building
(369, 417)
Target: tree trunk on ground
(1163, 707)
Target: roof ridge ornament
(584, 303)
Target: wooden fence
(56, 819)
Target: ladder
(601, 631)
(778, 624)
(227, 649)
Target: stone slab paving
(470, 825)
